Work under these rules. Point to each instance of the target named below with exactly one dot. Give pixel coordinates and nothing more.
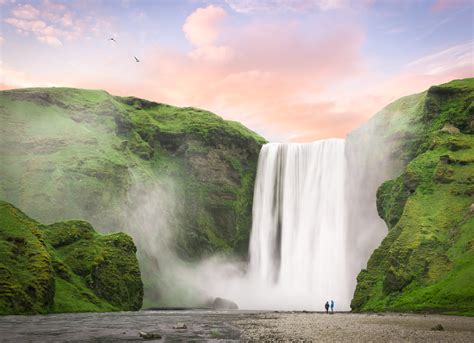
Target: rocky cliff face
(83, 154)
(426, 262)
(64, 267)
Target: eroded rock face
(64, 267)
(425, 261)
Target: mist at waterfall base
(315, 225)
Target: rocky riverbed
(349, 327)
(233, 326)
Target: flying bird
(136, 59)
(113, 39)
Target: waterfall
(298, 244)
(314, 227)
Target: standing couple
(326, 306)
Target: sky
(291, 70)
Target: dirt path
(347, 327)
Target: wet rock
(224, 304)
(180, 326)
(437, 327)
(150, 335)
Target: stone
(180, 326)
(150, 335)
(224, 304)
(437, 327)
(450, 129)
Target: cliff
(426, 261)
(174, 178)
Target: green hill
(64, 267)
(426, 262)
(84, 154)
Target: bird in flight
(113, 39)
(136, 59)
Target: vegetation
(64, 267)
(426, 262)
(77, 154)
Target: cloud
(253, 6)
(50, 40)
(25, 12)
(11, 78)
(444, 61)
(269, 84)
(212, 53)
(43, 32)
(201, 27)
(52, 23)
(441, 5)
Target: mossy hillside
(426, 262)
(64, 267)
(71, 153)
(26, 269)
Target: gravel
(350, 327)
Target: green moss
(426, 262)
(64, 267)
(75, 154)
(26, 272)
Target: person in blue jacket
(332, 306)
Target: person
(327, 306)
(332, 306)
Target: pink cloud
(25, 12)
(53, 23)
(50, 40)
(440, 5)
(262, 81)
(201, 27)
(251, 6)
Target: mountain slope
(426, 262)
(174, 178)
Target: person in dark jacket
(327, 306)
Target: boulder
(150, 335)
(450, 129)
(224, 304)
(437, 327)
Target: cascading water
(298, 240)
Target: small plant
(215, 333)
